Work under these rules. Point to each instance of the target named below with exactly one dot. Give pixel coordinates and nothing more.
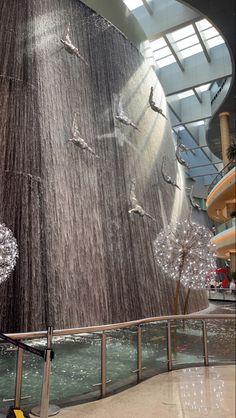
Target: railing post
(19, 370)
(103, 364)
(205, 347)
(169, 348)
(46, 376)
(139, 354)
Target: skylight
(185, 43)
(203, 24)
(183, 33)
(204, 87)
(161, 53)
(166, 61)
(133, 4)
(191, 51)
(158, 43)
(210, 33)
(185, 94)
(215, 41)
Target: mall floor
(187, 393)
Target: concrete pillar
(233, 261)
(225, 135)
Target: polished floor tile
(188, 393)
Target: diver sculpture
(69, 47)
(165, 176)
(136, 208)
(153, 105)
(122, 117)
(77, 140)
(180, 147)
(194, 204)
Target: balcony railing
(221, 174)
(93, 362)
(227, 225)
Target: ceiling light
(204, 87)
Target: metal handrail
(221, 174)
(102, 330)
(110, 327)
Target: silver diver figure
(136, 208)
(180, 148)
(194, 204)
(77, 140)
(122, 117)
(153, 105)
(165, 176)
(69, 47)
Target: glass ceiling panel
(161, 53)
(204, 87)
(183, 33)
(185, 94)
(166, 61)
(133, 4)
(210, 33)
(203, 24)
(185, 43)
(215, 41)
(191, 51)
(158, 43)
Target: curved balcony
(225, 240)
(221, 199)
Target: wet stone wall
(79, 148)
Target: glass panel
(187, 344)
(210, 33)
(183, 33)
(191, 51)
(133, 4)
(32, 378)
(204, 87)
(76, 368)
(121, 358)
(166, 61)
(161, 53)
(8, 355)
(185, 94)
(185, 43)
(221, 341)
(158, 43)
(154, 349)
(203, 24)
(215, 41)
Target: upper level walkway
(187, 393)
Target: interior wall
(84, 259)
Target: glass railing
(226, 295)
(227, 225)
(221, 174)
(92, 362)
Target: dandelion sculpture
(8, 252)
(184, 252)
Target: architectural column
(232, 261)
(225, 135)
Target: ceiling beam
(175, 113)
(206, 53)
(174, 53)
(197, 96)
(148, 7)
